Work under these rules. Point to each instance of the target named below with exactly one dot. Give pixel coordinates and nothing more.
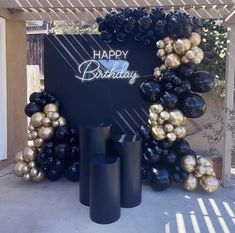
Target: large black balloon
(72, 172)
(182, 147)
(145, 132)
(152, 155)
(170, 158)
(31, 108)
(52, 175)
(62, 134)
(41, 160)
(47, 147)
(201, 81)
(62, 150)
(150, 90)
(185, 71)
(169, 100)
(57, 165)
(159, 179)
(193, 105)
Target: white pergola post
(229, 104)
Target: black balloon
(62, 151)
(41, 160)
(52, 175)
(74, 154)
(145, 132)
(57, 165)
(150, 90)
(185, 71)
(159, 179)
(201, 81)
(144, 173)
(193, 105)
(72, 172)
(181, 147)
(152, 155)
(169, 100)
(31, 108)
(62, 134)
(106, 36)
(170, 158)
(175, 177)
(47, 147)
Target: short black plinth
(93, 139)
(105, 189)
(129, 149)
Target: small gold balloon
(29, 154)
(187, 44)
(157, 73)
(168, 40)
(209, 183)
(17, 169)
(39, 177)
(179, 47)
(156, 108)
(162, 67)
(29, 136)
(209, 171)
(55, 124)
(185, 60)
(26, 177)
(195, 50)
(198, 174)
(190, 55)
(153, 116)
(160, 121)
(172, 61)
(50, 108)
(18, 156)
(33, 172)
(160, 44)
(197, 60)
(195, 39)
(177, 118)
(46, 121)
(38, 142)
(45, 132)
(189, 163)
(168, 127)
(34, 134)
(201, 161)
(55, 116)
(171, 136)
(169, 48)
(190, 183)
(25, 169)
(158, 133)
(163, 58)
(30, 128)
(152, 123)
(165, 115)
(49, 115)
(36, 119)
(161, 53)
(62, 121)
(180, 131)
(201, 169)
(31, 164)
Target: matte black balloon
(72, 172)
(145, 132)
(47, 147)
(62, 151)
(169, 100)
(170, 158)
(181, 147)
(52, 175)
(151, 155)
(50, 99)
(144, 23)
(193, 105)
(62, 134)
(36, 97)
(185, 71)
(57, 165)
(201, 81)
(121, 36)
(150, 90)
(106, 36)
(159, 179)
(31, 108)
(74, 155)
(160, 28)
(166, 144)
(74, 137)
(41, 160)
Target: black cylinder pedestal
(94, 139)
(105, 189)
(129, 149)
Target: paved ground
(53, 207)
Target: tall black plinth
(105, 189)
(129, 149)
(94, 139)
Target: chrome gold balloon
(30, 128)
(172, 61)
(55, 123)
(158, 133)
(36, 119)
(171, 136)
(189, 163)
(160, 121)
(46, 121)
(157, 73)
(34, 134)
(26, 177)
(190, 55)
(169, 48)
(179, 47)
(209, 183)
(18, 156)
(39, 177)
(38, 142)
(45, 132)
(180, 131)
(156, 108)
(177, 118)
(31, 164)
(29, 154)
(152, 123)
(153, 116)
(162, 67)
(160, 44)
(62, 121)
(185, 60)
(50, 108)
(190, 183)
(25, 169)
(49, 115)
(161, 53)
(33, 172)
(55, 116)
(17, 169)
(168, 127)
(168, 40)
(195, 39)
(165, 115)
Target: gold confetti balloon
(17, 169)
(50, 108)
(190, 183)
(189, 163)
(172, 61)
(209, 183)
(39, 177)
(45, 132)
(29, 154)
(36, 119)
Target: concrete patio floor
(53, 207)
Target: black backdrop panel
(99, 100)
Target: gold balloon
(169, 48)
(179, 47)
(160, 121)
(190, 183)
(26, 177)
(177, 118)
(168, 40)
(168, 127)
(209, 183)
(17, 169)
(189, 163)
(55, 116)
(62, 121)
(50, 108)
(161, 53)
(29, 136)
(160, 44)
(158, 133)
(198, 174)
(209, 171)
(34, 134)
(29, 154)
(31, 164)
(195, 39)
(165, 115)
(180, 131)
(162, 67)
(152, 123)
(156, 108)
(187, 44)
(46, 121)
(36, 119)
(202, 160)
(195, 50)
(38, 142)
(30, 128)
(55, 124)
(163, 58)
(153, 116)
(157, 73)
(39, 177)
(190, 55)
(172, 61)
(33, 172)
(18, 156)
(45, 132)
(49, 115)
(25, 169)
(171, 136)
(185, 60)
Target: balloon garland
(172, 93)
(52, 148)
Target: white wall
(3, 94)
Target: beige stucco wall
(16, 88)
